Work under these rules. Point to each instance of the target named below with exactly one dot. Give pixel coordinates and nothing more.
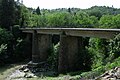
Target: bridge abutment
(70, 49)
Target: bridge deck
(84, 32)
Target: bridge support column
(45, 44)
(41, 44)
(35, 51)
(70, 48)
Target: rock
(17, 74)
(112, 71)
(106, 73)
(112, 79)
(26, 70)
(23, 67)
(19, 79)
(118, 70)
(105, 77)
(113, 74)
(117, 75)
(67, 77)
(29, 75)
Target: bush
(104, 50)
(106, 55)
(21, 46)
(53, 57)
(13, 46)
(6, 38)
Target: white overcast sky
(53, 4)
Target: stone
(26, 70)
(113, 74)
(112, 71)
(106, 73)
(105, 77)
(67, 77)
(112, 79)
(118, 70)
(19, 79)
(17, 74)
(29, 75)
(23, 67)
(117, 75)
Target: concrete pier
(70, 48)
(44, 46)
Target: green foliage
(38, 11)
(3, 48)
(101, 69)
(57, 19)
(96, 16)
(7, 13)
(21, 46)
(24, 16)
(53, 57)
(110, 21)
(98, 48)
(5, 36)
(5, 39)
(106, 21)
(104, 51)
(114, 47)
(63, 19)
(12, 46)
(116, 21)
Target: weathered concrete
(70, 48)
(83, 32)
(35, 48)
(44, 44)
(41, 44)
(63, 59)
(28, 46)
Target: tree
(24, 16)
(38, 11)
(82, 19)
(7, 13)
(69, 10)
(106, 21)
(116, 21)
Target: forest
(102, 54)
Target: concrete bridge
(71, 44)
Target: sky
(83, 4)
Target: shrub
(53, 57)
(6, 38)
